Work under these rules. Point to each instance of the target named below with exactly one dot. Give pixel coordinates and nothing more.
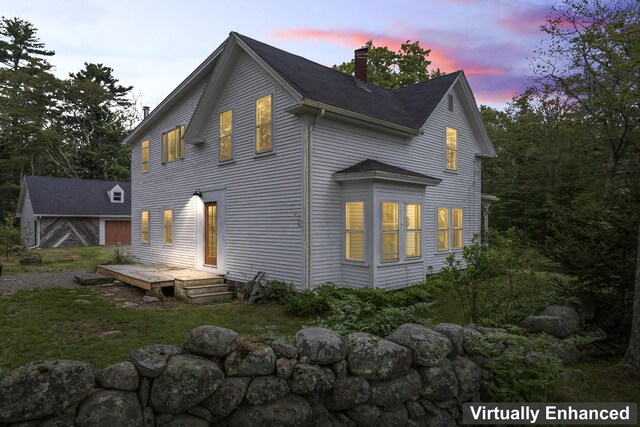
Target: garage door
(117, 232)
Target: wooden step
(209, 298)
(192, 291)
(188, 283)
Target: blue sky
(154, 45)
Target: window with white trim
(354, 231)
(168, 227)
(451, 150)
(226, 136)
(450, 229)
(145, 156)
(144, 227)
(264, 115)
(173, 144)
(413, 231)
(390, 231)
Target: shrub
(351, 314)
(524, 368)
(10, 239)
(120, 257)
(276, 292)
(316, 302)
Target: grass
(598, 381)
(48, 324)
(60, 259)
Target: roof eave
(309, 105)
(386, 176)
(188, 83)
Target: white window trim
(364, 233)
(148, 156)
(402, 233)
(450, 228)
(446, 169)
(272, 151)
(233, 135)
(148, 241)
(173, 226)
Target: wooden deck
(155, 276)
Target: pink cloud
(492, 84)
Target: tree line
(69, 127)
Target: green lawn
(48, 324)
(59, 259)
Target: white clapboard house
(262, 160)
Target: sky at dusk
(154, 45)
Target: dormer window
(116, 194)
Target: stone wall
(417, 376)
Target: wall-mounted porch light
(197, 193)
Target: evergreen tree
(26, 106)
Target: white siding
(337, 146)
(27, 221)
(263, 194)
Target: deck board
(153, 276)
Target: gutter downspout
(309, 207)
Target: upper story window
(390, 231)
(226, 136)
(451, 151)
(450, 102)
(117, 196)
(354, 231)
(173, 144)
(450, 230)
(145, 156)
(264, 116)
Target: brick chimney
(361, 64)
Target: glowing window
(263, 124)
(413, 232)
(168, 227)
(390, 231)
(450, 229)
(226, 136)
(173, 144)
(145, 156)
(457, 228)
(144, 227)
(451, 160)
(354, 231)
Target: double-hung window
(413, 231)
(390, 231)
(451, 149)
(145, 156)
(450, 229)
(226, 136)
(264, 129)
(354, 231)
(144, 227)
(168, 227)
(173, 144)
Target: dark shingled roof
(374, 165)
(409, 106)
(81, 197)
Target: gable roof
(328, 86)
(369, 168)
(75, 197)
(315, 86)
